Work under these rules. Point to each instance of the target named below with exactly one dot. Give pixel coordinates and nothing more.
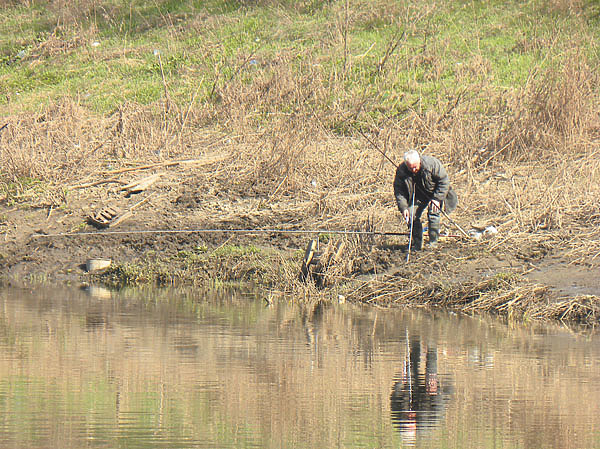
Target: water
(178, 369)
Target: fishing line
(214, 230)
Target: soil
(52, 244)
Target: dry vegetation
(281, 146)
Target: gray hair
(412, 156)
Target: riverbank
(159, 119)
(170, 237)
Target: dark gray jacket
(432, 183)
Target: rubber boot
(417, 236)
(434, 235)
(433, 223)
(417, 244)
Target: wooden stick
(166, 164)
(95, 183)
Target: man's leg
(417, 228)
(433, 223)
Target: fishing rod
(374, 145)
(216, 230)
(412, 222)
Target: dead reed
(502, 295)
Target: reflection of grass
(61, 405)
(252, 381)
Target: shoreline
(467, 276)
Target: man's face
(414, 166)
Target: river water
(182, 369)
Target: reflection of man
(418, 402)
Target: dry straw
(526, 161)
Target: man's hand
(435, 205)
(406, 215)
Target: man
(424, 177)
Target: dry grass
(528, 167)
(504, 295)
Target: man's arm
(400, 190)
(440, 176)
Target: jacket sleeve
(400, 189)
(442, 182)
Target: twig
(95, 183)
(392, 45)
(451, 108)
(162, 72)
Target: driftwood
(166, 164)
(97, 183)
(111, 216)
(141, 184)
(324, 267)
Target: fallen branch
(166, 164)
(96, 183)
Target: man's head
(412, 161)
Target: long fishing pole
(215, 230)
(374, 145)
(412, 223)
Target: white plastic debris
(475, 234)
(479, 232)
(490, 230)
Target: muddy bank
(525, 278)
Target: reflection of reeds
(191, 363)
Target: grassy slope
(104, 52)
(477, 83)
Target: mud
(51, 244)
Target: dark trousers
(433, 222)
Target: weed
(325, 237)
(123, 275)
(508, 277)
(235, 251)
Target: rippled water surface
(169, 369)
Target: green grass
(46, 53)
(19, 190)
(235, 250)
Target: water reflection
(181, 368)
(419, 399)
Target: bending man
(424, 177)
